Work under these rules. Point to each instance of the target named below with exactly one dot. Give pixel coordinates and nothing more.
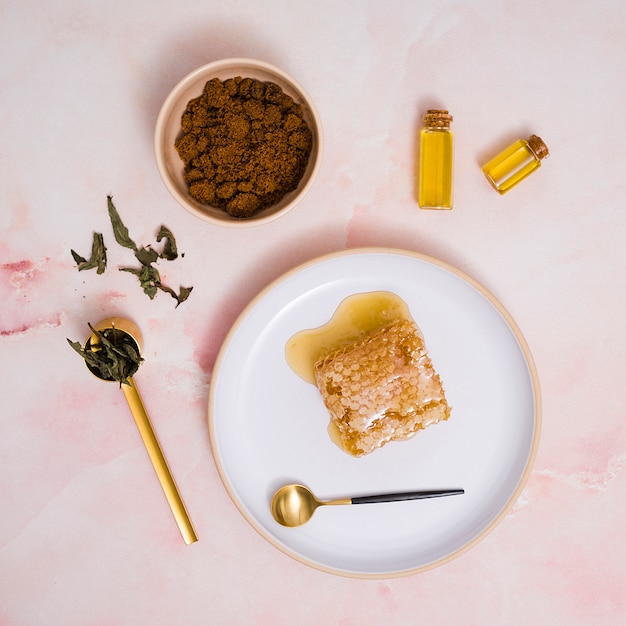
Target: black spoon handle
(407, 495)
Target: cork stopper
(437, 118)
(538, 147)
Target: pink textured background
(86, 537)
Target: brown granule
(245, 144)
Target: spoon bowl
(294, 505)
(123, 330)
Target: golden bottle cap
(538, 147)
(437, 118)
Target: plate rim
(519, 337)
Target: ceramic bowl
(168, 128)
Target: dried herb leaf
(179, 297)
(79, 259)
(149, 278)
(78, 347)
(119, 230)
(98, 260)
(147, 255)
(169, 290)
(170, 252)
(183, 294)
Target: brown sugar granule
(245, 144)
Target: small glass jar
(435, 161)
(515, 163)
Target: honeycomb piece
(381, 388)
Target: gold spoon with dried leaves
(112, 352)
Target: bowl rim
(165, 114)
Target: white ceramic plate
(268, 427)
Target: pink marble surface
(85, 534)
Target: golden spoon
(293, 505)
(144, 425)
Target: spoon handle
(159, 463)
(407, 495)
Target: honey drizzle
(356, 316)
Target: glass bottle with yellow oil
(515, 163)
(435, 161)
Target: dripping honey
(356, 316)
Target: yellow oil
(435, 169)
(356, 316)
(511, 166)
